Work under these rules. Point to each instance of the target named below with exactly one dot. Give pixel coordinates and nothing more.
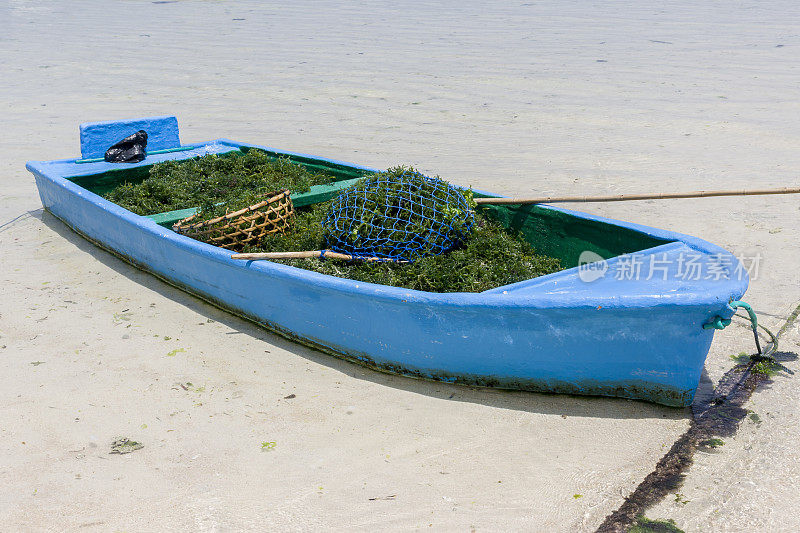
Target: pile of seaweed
(214, 183)
(490, 256)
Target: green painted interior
(168, 218)
(321, 193)
(565, 236)
(551, 232)
(104, 182)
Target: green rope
(717, 323)
(721, 323)
(752, 314)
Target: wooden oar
(626, 197)
(312, 253)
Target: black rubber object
(131, 149)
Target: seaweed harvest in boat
(491, 256)
(488, 256)
(214, 184)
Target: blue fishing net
(398, 215)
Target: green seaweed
(712, 443)
(214, 183)
(124, 445)
(681, 499)
(764, 366)
(491, 256)
(742, 358)
(486, 256)
(646, 525)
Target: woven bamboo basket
(246, 226)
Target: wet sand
(590, 99)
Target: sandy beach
(244, 430)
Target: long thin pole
(626, 197)
(304, 255)
(542, 200)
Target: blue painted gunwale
(549, 334)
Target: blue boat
(625, 318)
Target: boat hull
(649, 346)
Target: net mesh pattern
(398, 215)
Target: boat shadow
(532, 402)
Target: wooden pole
(626, 197)
(543, 200)
(308, 254)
